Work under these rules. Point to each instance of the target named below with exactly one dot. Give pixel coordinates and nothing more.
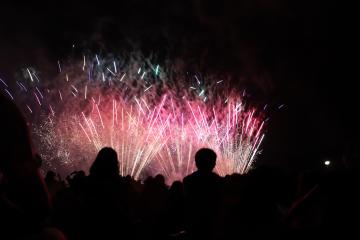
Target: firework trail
(155, 118)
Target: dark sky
(284, 52)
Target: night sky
(282, 52)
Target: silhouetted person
(69, 206)
(105, 199)
(176, 207)
(203, 193)
(53, 183)
(153, 203)
(24, 201)
(106, 164)
(77, 179)
(250, 204)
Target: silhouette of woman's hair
(106, 164)
(14, 139)
(205, 159)
(24, 186)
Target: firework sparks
(153, 127)
(31, 77)
(8, 93)
(3, 82)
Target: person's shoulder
(216, 176)
(186, 178)
(189, 177)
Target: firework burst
(155, 118)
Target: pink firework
(155, 121)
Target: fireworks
(155, 118)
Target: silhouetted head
(15, 144)
(176, 187)
(205, 159)
(50, 175)
(106, 164)
(128, 178)
(159, 180)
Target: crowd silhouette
(105, 205)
